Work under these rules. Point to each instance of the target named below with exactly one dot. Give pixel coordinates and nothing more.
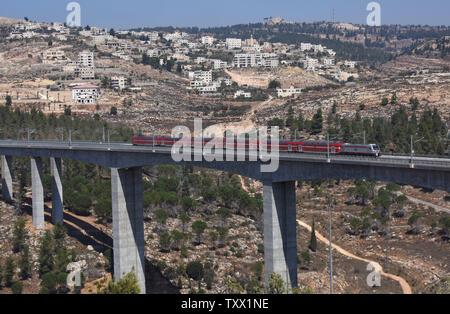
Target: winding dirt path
(404, 285)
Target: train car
(283, 146)
(361, 149)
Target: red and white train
(298, 146)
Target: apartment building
(288, 92)
(305, 46)
(245, 60)
(84, 73)
(328, 61)
(350, 64)
(241, 93)
(86, 59)
(118, 82)
(85, 94)
(233, 43)
(207, 40)
(53, 56)
(219, 64)
(204, 77)
(310, 64)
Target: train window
(290, 148)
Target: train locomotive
(294, 146)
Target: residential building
(241, 93)
(233, 43)
(118, 82)
(84, 73)
(85, 94)
(288, 92)
(207, 40)
(53, 56)
(86, 59)
(310, 64)
(219, 64)
(245, 60)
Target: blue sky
(122, 14)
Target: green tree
(8, 101)
(161, 216)
(276, 284)
(274, 84)
(103, 210)
(223, 231)
(224, 214)
(129, 284)
(185, 219)
(195, 271)
(17, 287)
(213, 237)
(313, 240)
(9, 272)
(19, 235)
(188, 204)
(24, 263)
(46, 261)
(317, 122)
(165, 241)
(199, 227)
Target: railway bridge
(126, 162)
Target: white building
(350, 64)
(288, 92)
(233, 43)
(241, 93)
(200, 60)
(153, 53)
(204, 77)
(86, 59)
(310, 64)
(84, 73)
(85, 94)
(207, 89)
(305, 46)
(118, 82)
(328, 61)
(219, 64)
(245, 60)
(53, 56)
(207, 40)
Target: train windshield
(375, 147)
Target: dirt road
(405, 286)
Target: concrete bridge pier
(280, 240)
(57, 190)
(7, 183)
(128, 223)
(37, 192)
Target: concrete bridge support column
(128, 223)
(37, 192)
(280, 241)
(57, 190)
(7, 183)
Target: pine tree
(46, 261)
(9, 272)
(24, 263)
(313, 241)
(19, 235)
